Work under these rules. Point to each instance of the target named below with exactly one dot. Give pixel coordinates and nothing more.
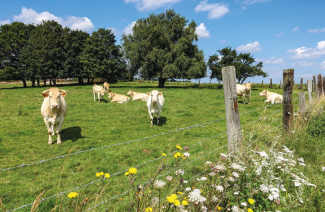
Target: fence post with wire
(287, 98)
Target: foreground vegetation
(91, 124)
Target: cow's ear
(63, 93)
(160, 93)
(46, 93)
(148, 93)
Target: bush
(316, 126)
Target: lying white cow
(99, 90)
(118, 98)
(54, 109)
(155, 103)
(272, 97)
(138, 96)
(244, 91)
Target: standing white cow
(54, 109)
(99, 90)
(244, 91)
(155, 103)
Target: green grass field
(89, 124)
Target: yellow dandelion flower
(107, 175)
(133, 170)
(174, 196)
(251, 201)
(177, 202)
(175, 156)
(183, 156)
(127, 173)
(184, 198)
(250, 210)
(218, 208)
(97, 174)
(163, 154)
(101, 173)
(72, 194)
(180, 193)
(178, 154)
(178, 147)
(170, 199)
(148, 209)
(193, 187)
(184, 202)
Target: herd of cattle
(54, 107)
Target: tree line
(161, 46)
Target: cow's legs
(94, 97)
(52, 126)
(248, 98)
(49, 131)
(58, 130)
(98, 97)
(151, 118)
(244, 98)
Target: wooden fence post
(310, 90)
(176, 81)
(323, 82)
(314, 83)
(280, 84)
(262, 83)
(234, 133)
(301, 82)
(210, 81)
(302, 102)
(191, 82)
(287, 98)
(169, 81)
(271, 86)
(320, 87)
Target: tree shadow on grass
(71, 133)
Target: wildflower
(187, 189)
(72, 194)
(218, 208)
(231, 179)
(235, 209)
(214, 199)
(237, 167)
(169, 178)
(274, 194)
(203, 179)
(185, 181)
(264, 188)
(133, 170)
(212, 174)
(101, 173)
(177, 154)
(127, 173)
(235, 174)
(186, 154)
(195, 196)
(251, 201)
(180, 193)
(177, 202)
(179, 171)
(236, 192)
(302, 164)
(170, 199)
(220, 167)
(163, 154)
(174, 196)
(244, 204)
(323, 168)
(184, 202)
(155, 200)
(97, 174)
(263, 154)
(209, 162)
(148, 209)
(204, 209)
(159, 184)
(219, 188)
(107, 175)
(178, 147)
(249, 210)
(183, 156)
(301, 160)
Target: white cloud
(247, 2)
(202, 31)
(279, 34)
(322, 65)
(302, 75)
(275, 61)
(305, 63)
(251, 47)
(316, 30)
(30, 16)
(304, 52)
(215, 10)
(145, 5)
(243, 8)
(258, 60)
(5, 22)
(295, 29)
(128, 29)
(114, 30)
(223, 41)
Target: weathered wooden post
(191, 82)
(287, 98)
(314, 83)
(147, 80)
(169, 81)
(134, 79)
(234, 133)
(271, 86)
(301, 82)
(262, 83)
(310, 90)
(280, 84)
(320, 87)
(210, 81)
(302, 102)
(323, 82)
(176, 81)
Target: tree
(162, 47)
(74, 44)
(13, 39)
(242, 62)
(102, 58)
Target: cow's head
(54, 95)
(248, 86)
(102, 91)
(130, 92)
(154, 95)
(264, 93)
(110, 95)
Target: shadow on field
(162, 121)
(71, 133)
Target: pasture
(89, 124)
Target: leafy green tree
(13, 39)
(162, 46)
(74, 44)
(102, 58)
(242, 62)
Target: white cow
(106, 86)
(244, 91)
(272, 97)
(138, 96)
(99, 90)
(118, 98)
(54, 109)
(155, 104)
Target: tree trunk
(24, 83)
(33, 82)
(50, 82)
(88, 80)
(38, 82)
(44, 82)
(80, 80)
(162, 82)
(54, 82)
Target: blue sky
(281, 34)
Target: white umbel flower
(179, 171)
(237, 167)
(159, 184)
(195, 196)
(186, 154)
(219, 188)
(235, 174)
(203, 179)
(264, 188)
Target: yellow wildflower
(174, 196)
(183, 156)
(178, 154)
(178, 147)
(148, 209)
(163, 154)
(97, 174)
(177, 202)
(218, 208)
(170, 199)
(184, 198)
(175, 156)
(101, 173)
(107, 175)
(249, 210)
(72, 194)
(180, 193)
(127, 173)
(184, 202)
(251, 201)
(133, 170)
